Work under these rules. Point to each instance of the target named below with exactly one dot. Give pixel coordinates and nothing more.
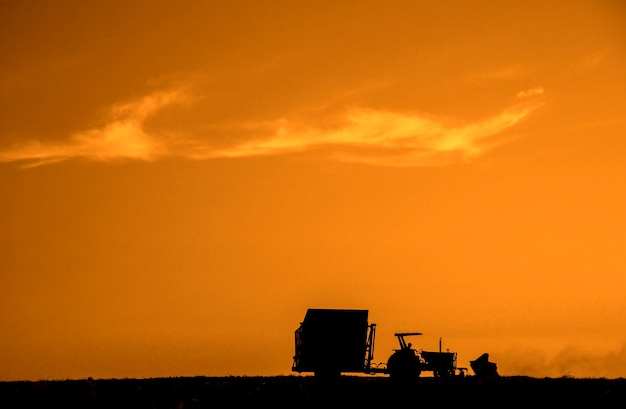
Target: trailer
(330, 342)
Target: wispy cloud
(383, 138)
(530, 92)
(121, 137)
(377, 137)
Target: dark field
(310, 392)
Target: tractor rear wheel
(403, 365)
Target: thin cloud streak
(384, 138)
(123, 137)
(530, 92)
(375, 137)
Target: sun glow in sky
(180, 181)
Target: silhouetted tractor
(407, 363)
(330, 342)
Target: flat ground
(309, 392)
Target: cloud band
(364, 135)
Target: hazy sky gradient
(182, 180)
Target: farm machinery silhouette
(330, 342)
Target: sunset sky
(181, 180)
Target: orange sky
(180, 181)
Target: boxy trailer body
(331, 341)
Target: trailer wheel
(327, 373)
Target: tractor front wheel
(445, 374)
